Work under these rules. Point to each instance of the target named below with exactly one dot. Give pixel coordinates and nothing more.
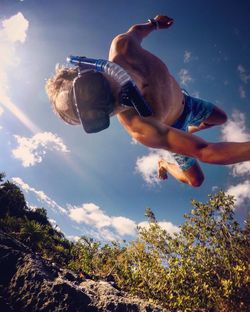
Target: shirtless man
(175, 114)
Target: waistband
(181, 121)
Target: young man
(175, 115)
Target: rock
(31, 284)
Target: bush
(32, 227)
(203, 267)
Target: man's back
(151, 76)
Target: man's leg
(192, 176)
(217, 117)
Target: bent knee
(197, 181)
(223, 117)
(218, 117)
(194, 176)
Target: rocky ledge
(29, 283)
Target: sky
(100, 184)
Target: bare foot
(164, 21)
(162, 171)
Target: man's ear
(62, 101)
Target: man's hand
(163, 21)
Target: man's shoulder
(123, 43)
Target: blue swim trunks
(194, 113)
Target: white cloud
(73, 238)
(40, 195)
(15, 28)
(110, 227)
(32, 150)
(93, 215)
(185, 77)
(99, 224)
(241, 192)
(31, 207)
(242, 92)
(124, 226)
(241, 169)
(187, 56)
(13, 31)
(90, 214)
(54, 225)
(243, 74)
(165, 225)
(108, 234)
(147, 165)
(235, 131)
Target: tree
(150, 215)
(39, 215)
(206, 265)
(12, 201)
(2, 176)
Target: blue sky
(101, 184)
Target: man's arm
(140, 31)
(154, 134)
(129, 44)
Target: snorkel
(130, 95)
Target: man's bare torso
(151, 76)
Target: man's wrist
(154, 23)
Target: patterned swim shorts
(194, 113)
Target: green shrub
(203, 267)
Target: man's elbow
(206, 153)
(156, 140)
(121, 43)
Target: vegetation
(203, 267)
(31, 226)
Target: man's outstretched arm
(140, 31)
(157, 135)
(125, 46)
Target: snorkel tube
(129, 95)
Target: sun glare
(8, 104)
